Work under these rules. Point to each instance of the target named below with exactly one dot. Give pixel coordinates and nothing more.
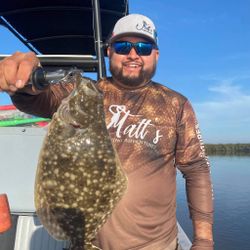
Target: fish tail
(88, 246)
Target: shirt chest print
(142, 129)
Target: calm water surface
(231, 182)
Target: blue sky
(204, 54)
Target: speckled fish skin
(79, 179)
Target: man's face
(132, 70)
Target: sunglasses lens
(142, 48)
(122, 48)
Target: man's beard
(131, 80)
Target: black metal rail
(97, 39)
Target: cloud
(226, 118)
(228, 92)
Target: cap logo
(144, 27)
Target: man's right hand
(15, 71)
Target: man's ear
(157, 55)
(108, 51)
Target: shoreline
(239, 149)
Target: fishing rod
(41, 78)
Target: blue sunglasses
(141, 48)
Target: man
(154, 130)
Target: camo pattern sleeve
(43, 104)
(194, 165)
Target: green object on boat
(9, 123)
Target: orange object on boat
(5, 217)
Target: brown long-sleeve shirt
(154, 130)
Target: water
(231, 181)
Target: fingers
(8, 74)
(15, 71)
(26, 66)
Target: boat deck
(27, 233)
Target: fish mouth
(75, 125)
(67, 117)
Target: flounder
(79, 179)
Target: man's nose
(133, 53)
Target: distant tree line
(227, 149)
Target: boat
(64, 34)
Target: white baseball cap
(134, 25)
